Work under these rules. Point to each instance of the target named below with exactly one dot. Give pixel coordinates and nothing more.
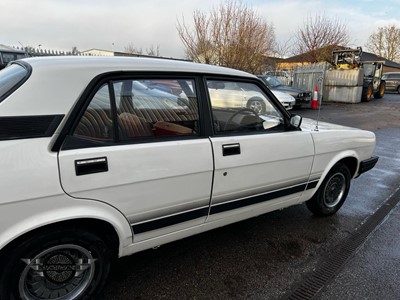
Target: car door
(258, 162)
(142, 154)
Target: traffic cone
(314, 101)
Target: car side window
(163, 107)
(143, 109)
(243, 109)
(96, 122)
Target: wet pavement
(267, 257)
(374, 271)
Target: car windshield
(9, 78)
(273, 81)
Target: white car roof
(57, 82)
(116, 63)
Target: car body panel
(146, 181)
(392, 80)
(265, 167)
(155, 181)
(301, 96)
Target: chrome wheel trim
(334, 190)
(58, 273)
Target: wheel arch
(93, 216)
(351, 163)
(349, 158)
(99, 227)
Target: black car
(301, 96)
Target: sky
(113, 25)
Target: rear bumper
(367, 165)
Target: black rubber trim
(170, 220)
(262, 198)
(28, 69)
(202, 212)
(106, 78)
(25, 127)
(367, 164)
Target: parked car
(392, 80)
(239, 94)
(169, 86)
(89, 174)
(302, 97)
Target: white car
(91, 169)
(241, 94)
(288, 101)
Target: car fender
(335, 159)
(30, 215)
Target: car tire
(332, 193)
(381, 91)
(367, 93)
(61, 264)
(257, 104)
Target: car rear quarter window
(96, 122)
(10, 79)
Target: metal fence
(32, 52)
(308, 76)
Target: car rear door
(143, 155)
(257, 168)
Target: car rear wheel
(257, 105)
(332, 193)
(62, 264)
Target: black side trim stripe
(24, 127)
(169, 221)
(202, 212)
(261, 198)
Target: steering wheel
(239, 112)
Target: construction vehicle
(373, 84)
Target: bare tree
(283, 49)
(319, 35)
(131, 49)
(385, 42)
(75, 50)
(153, 51)
(231, 35)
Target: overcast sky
(112, 25)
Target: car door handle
(231, 149)
(91, 165)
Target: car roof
(96, 63)
(55, 83)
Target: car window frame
(67, 141)
(18, 84)
(256, 81)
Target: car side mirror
(295, 121)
